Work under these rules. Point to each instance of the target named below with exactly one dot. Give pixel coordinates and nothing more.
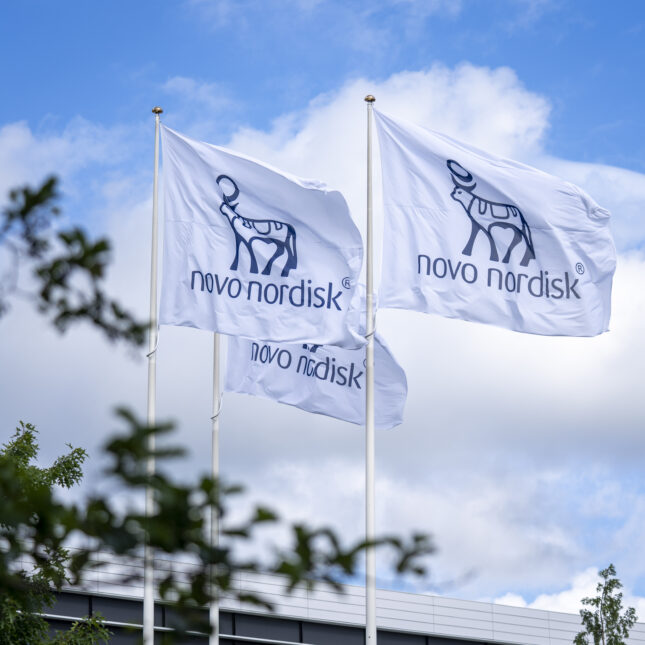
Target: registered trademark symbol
(580, 268)
(347, 283)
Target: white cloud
(527, 12)
(582, 585)
(517, 452)
(26, 156)
(424, 8)
(221, 13)
(378, 29)
(208, 96)
(489, 108)
(201, 109)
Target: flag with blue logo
(321, 379)
(473, 236)
(251, 251)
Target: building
(325, 617)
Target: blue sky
(106, 61)
(533, 495)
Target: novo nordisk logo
(248, 231)
(326, 369)
(486, 217)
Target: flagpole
(148, 563)
(370, 569)
(217, 406)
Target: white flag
(251, 251)
(321, 379)
(473, 236)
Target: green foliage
(89, 631)
(35, 526)
(604, 624)
(20, 622)
(66, 471)
(29, 536)
(68, 266)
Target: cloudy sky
(522, 455)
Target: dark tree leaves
(33, 528)
(68, 266)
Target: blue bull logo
(486, 217)
(249, 231)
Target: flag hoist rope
(148, 562)
(370, 568)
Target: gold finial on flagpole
(370, 99)
(158, 110)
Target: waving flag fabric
(251, 251)
(473, 236)
(321, 379)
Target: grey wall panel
(401, 621)
(187, 640)
(392, 638)
(173, 619)
(637, 634)
(464, 632)
(441, 640)
(74, 605)
(320, 634)
(520, 616)
(225, 622)
(122, 636)
(525, 639)
(394, 625)
(120, 610)
(289, 611)
(265, 627)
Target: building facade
(323, 617)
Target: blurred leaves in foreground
(66, 283)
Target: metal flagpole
(217, 406)
(370, 569)
(148, 563)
